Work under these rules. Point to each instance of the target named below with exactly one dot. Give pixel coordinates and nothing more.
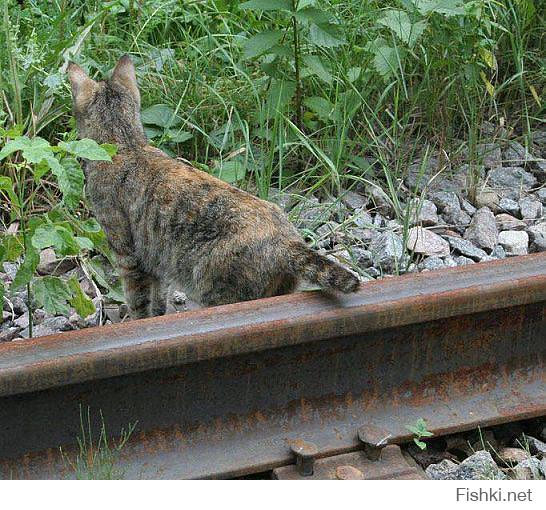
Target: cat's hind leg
(159, 297)
(136, 287)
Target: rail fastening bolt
(305, 453)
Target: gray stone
(427, 175)
(463, 261)
(22, 321)
(383, 203)
(362, 218)
(529, 469)
(537, 235)
(10, 269)
(466, 248)
(516, 154)
(363, 257)
(511, 177)
(309, 214)
(17, 302)
(378, 221)
(541, 195)
(364, 235)
(515, 242)
(498, 252)
(9, 333)
(489, 154)
(387, 249)
(353, 200)
(508, 205)
(445, 200)
(482, 230)
(431, 264)
(508, 222)
(282, 199)
(467, 207)
(423, 212)
(530, 208)
(426, 242)
(48, 327)
(50, 264)
(487, 197)
(444, 470)
(479, 466)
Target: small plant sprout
(419, 429)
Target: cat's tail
(315, 268)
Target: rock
(17, 302)
(467, 207)
(448, 204)
(516, 154)
(325, 233)
(50, 326)
(536, 446)
(364, 258)
(424, 174)
(387, 249)
(9, 333)
(88, 287)
(507, 222)
(444, 470)
(282, 199)
(498, 252)
(383, 203)
(463, 261)
(353, 200)
(378, 221)
(466, 248)
(487, 197)
(10, 269)
(51, 265)
(530, 208)
(515, 242)
(22, 321)
(6, 315)
(364, 235)
(482, 230)
(309, 214)
(537, 235)
(541, 195)
(362, 218)
(529, 469)
(449, 261)
(479, 466)
(431, 264)
(512, 456)
(424, 212)
(511, 177)
(427, 243)
(489, 154)
(508, 205)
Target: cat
(170, 224)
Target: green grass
(348, 104)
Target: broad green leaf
(488, 57)
(445, 7)
(160, 115)
(268, 5)
(60, 238)
(110, 148)
(488, 85)
(398, 21)
(87, 149)
(26, 269)
(71, 180)
(302, 4)
(326, 35)
(321, 106)
(316, 66)
(385, 58)
(261, 43)
(313, 15)
(354, 73)
(280, 94)
(231, 171)
(11, 247)
(79, 300)
(53, 294)
(6, 184)
(420, 444)
(33, 149)
(177, 136)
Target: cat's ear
(83, 87)
(124, 74)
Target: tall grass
(364, 117)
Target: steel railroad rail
(255, 386)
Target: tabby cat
(171, 224)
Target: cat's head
(108, 111)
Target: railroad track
(293, 384)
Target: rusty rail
(226, 391)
